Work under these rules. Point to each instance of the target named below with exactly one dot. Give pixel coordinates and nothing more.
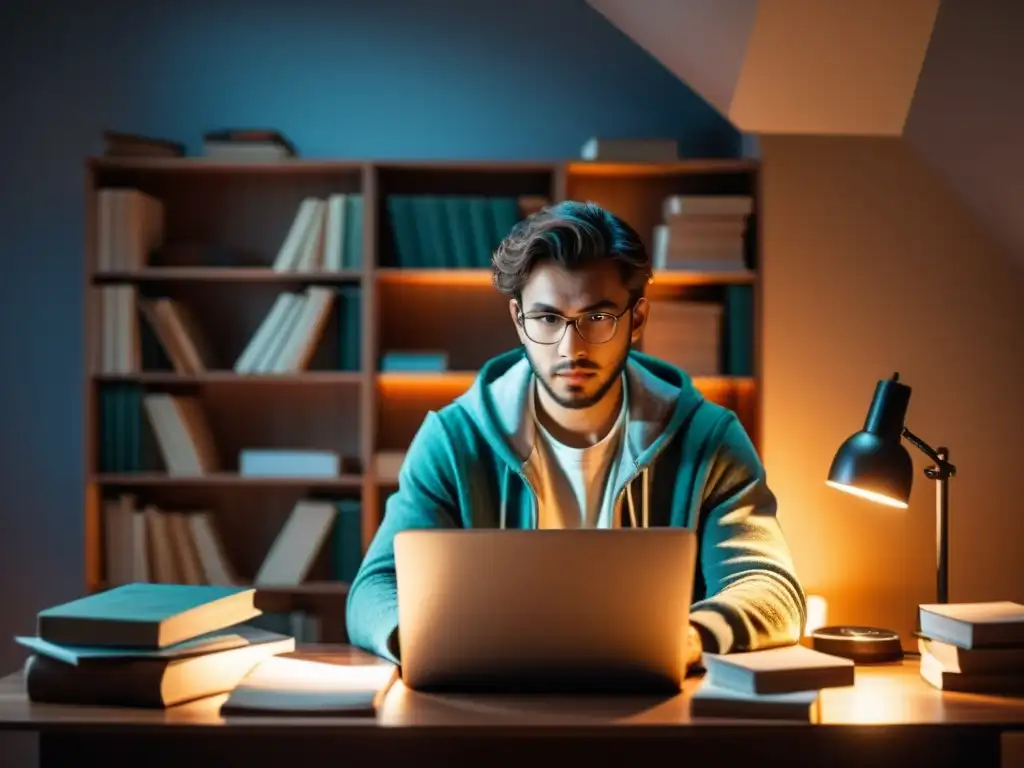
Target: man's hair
(573, 235)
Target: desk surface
(883, 695)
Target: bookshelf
(222, 225)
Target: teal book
(460, 234)
(424, 235)
(120, 433)
(505, 213)
(347, 540)
(440, 254)
(133, 461)
(238, 636)
(352, 247)
(143, 615)
(482, 229)
(402, 217)
(105, 448)
(348, 313)
(429, 362)
(739, 330)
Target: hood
(660, 398)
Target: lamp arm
(941, 471)
(943, 468)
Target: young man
(578, 429)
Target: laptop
(544, 610)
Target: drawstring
(504, 498)
(644, 496)
(643, 501)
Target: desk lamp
(874, 464)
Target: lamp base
(862, 645)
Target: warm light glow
(440, 277)
(281, 672)
(817, 614)
(613, 170)
(875, 699)
(878, 498)
(448, 383)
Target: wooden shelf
(680, 277)
(682, 167)
(223, 480)
(483, 277)
(440, 277)
(224, 275)
(412, 380)
(200, 165)
(169, 378)
(226, 213)
(428, 378)
(203, 165)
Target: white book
(291, 250)
(306, 330)
(334, 233)
(254, 351)
(311, 253)
(277, 339)
(292, 554)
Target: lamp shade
(873, 463)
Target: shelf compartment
(470, 325)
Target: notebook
(288, 685)
(778, 670)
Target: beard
(578, 401)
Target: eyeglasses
(593, 327)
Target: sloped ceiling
(967, 117)
(946, 76)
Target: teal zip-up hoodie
(686, 462)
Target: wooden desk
(890, 717)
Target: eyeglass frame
(575, 321)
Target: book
(148, 681)
(127, 144)
(285, 685)
(778, 670)
(974, 625)
(295, 548)
(998, 683)
(630, 150)
(710, 700)
(218, 640)
(142, 615)
(998, 659)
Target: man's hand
(694, 647)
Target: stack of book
(147, 645)
(702, 232)
(687, 334)
(774, 684)
(973, 647)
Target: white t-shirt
(572, 483)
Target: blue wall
(529, 79)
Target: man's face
(577, 372)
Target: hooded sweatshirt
(683, 462)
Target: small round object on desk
(862, 645)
